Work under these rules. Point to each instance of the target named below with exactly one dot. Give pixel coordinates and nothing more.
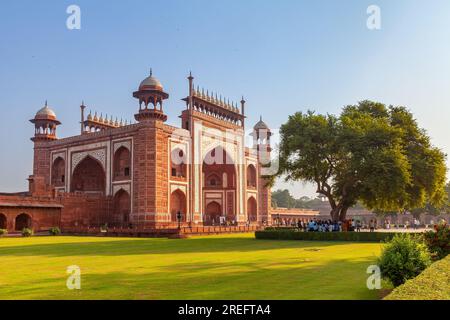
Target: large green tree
(370, 153)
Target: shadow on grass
(119, 247)
(337, 279)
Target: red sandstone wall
(265, 196)
(66, 210)
(43, 210)
(82, 210)
(42, 218)
(162, 176)
(143, 174)
(295, 211)
(151, 180)
(41, 161)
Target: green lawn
(213, 267)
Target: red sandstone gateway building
(148, 173)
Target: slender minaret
(191, 89)
(261, 144)
(189, 126)
(45, 123)
(82, 107)
(243, 111)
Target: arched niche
(122, 207)
(122, 164)
(251, 176)
(252, 209)
(59, 172)
(88, 176)
(23, 221)
(178, 204)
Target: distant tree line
(282, 198)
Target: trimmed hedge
(324, 236)
(281, 229)
(431, 284)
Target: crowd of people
(317, 225)
(321, 225)
(335, 226)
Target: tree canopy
(370, 153)
(429, 208)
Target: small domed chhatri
(260, 124)
(151, 83)
(45, 124)
(46, 113)
(151, 97)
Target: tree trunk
(335, 214)
(339, 213)
(343, 213)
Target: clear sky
(284, 56)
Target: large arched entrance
(213, 213)
(58, 172)
(3, 221)
(88, 176)
(219, 184)
(252, 210)
(177, 204)
(23, 221)
(122, 208)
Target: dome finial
(46, 103)
(261, 125)
(150, 83)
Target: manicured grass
(213, 267)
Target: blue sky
(284, 56)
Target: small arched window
(251, 176)
(213, 180)
(178, 163)
(58, 172)
(122, 164)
